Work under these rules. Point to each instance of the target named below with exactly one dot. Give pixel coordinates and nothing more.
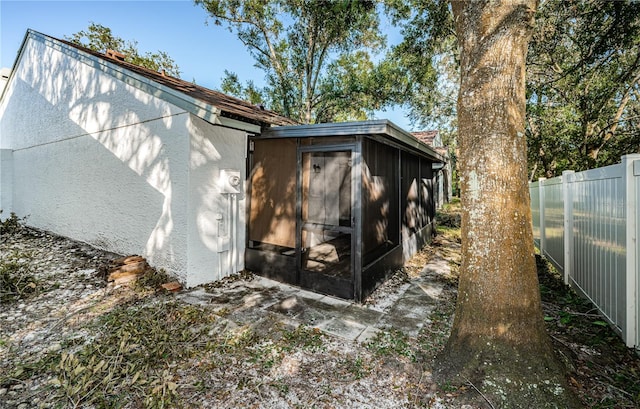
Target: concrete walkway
(260, 300)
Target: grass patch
(392, 343)
(269, 352)
(302, 337)
(434, 335)
(448, 220)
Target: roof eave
(201, 109)
(380, 127)
(15, 64)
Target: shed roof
(194, 98)
(377, 129)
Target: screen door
(326, 230)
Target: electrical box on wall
(230, 181)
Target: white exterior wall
(4, 77)
(6, 183)
(103, 162)
(216, 218)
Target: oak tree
(498, 341)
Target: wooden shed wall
(272, 217)
(380, 182)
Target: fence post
(542, 227)
(567, 202)
(631, 165)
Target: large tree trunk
(498, 341)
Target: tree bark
(498, 340)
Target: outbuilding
(337, 207)
(203, 184)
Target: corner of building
(6, 183)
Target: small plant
(435, 332)
(16, 278)
(11, 225)
(302, 337)
(449, 215)
(390, 343)
(357, 367)
(448, 221)
(281, 386)
(152, 279)
(163, 392)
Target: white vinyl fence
(587, 224)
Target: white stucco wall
(6, 183)
(4, 77)
(97, 160)
(216, 219)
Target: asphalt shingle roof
(231, 107)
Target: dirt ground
(68, 339)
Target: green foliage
(357, 366)
(10, 225)
(316, 55)
(231, 85)
(152, 279)
(427, 59)
(448, 220)
(17, 281)
(392, 343)
(270, 353)
(583, 73)
(605, 364)
(26, 369)
(425, 65)
(583, 85)
(100, 38)
(302, 337)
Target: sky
(178, 27)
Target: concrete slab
(310, 295)
(260, 298)
(330, 308)
(409, 326)
(368, 334)
(430, 288)
(247, 316)
(266, 303)
(312, 317)
(290, 306)
(412, 307)
(198, 296)
(423, 291)
(268, 283)
(342, 328)
(363, 315)
(437, 265)
(336, 302)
